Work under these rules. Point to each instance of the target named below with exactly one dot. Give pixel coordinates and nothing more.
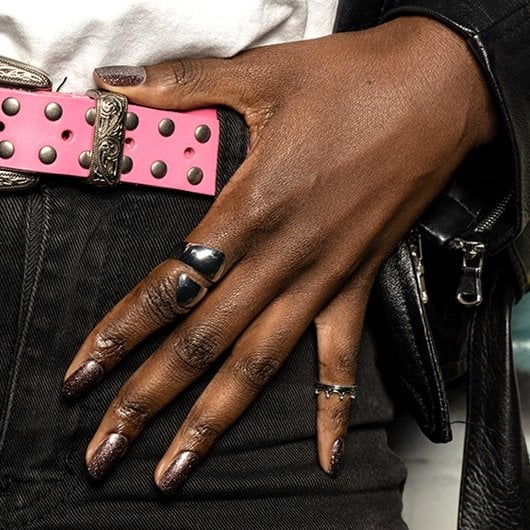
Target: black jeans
(69, 253)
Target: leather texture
(495, 490)
(413, 370)
(355, 15)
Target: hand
(352, 136)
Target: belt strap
(67, 134)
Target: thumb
(178, 85)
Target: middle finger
(184, 356)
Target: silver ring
(189, 292)
(341, 391)
(207, 261)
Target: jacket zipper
(416, 251)
(469, 292)
(489, 221)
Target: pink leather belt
(106, 141)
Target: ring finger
(339, 329)
(185, 355)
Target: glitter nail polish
(107, 455)
(83, 379)
(178, 472)
(337, 457)
(121, 75)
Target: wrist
(458, 82)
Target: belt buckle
(110, 123)
(15, 74)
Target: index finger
(171, 289)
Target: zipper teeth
(495, 214)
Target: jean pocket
(78, 251)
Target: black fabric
(354, 15)
(69, 252)
(233, 142)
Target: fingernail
(121, 75)
(337, 457)
(178, 472)
(107, 455)
(83, 379)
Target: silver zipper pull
(470, 289)
(416, 250)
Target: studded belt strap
(104, 140)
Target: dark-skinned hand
(352, 137)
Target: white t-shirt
(68, 39)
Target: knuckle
(265, 210)
(204, 432)
(108, 343)
(198, 348)
(132, 409)
(184, 73)
(256, 369)
(341, 367)
(160, 301)
(339, 414)
(345, 366)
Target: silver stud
(10, 106)
(126, 165)
(203, 133)
(131, 122)
(84, 159)
(7, 149)
(47, 155)
(158, 169)
(53, 111)
(195, 175)
(166, 127)
(90, 116)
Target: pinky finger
(339, 327)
